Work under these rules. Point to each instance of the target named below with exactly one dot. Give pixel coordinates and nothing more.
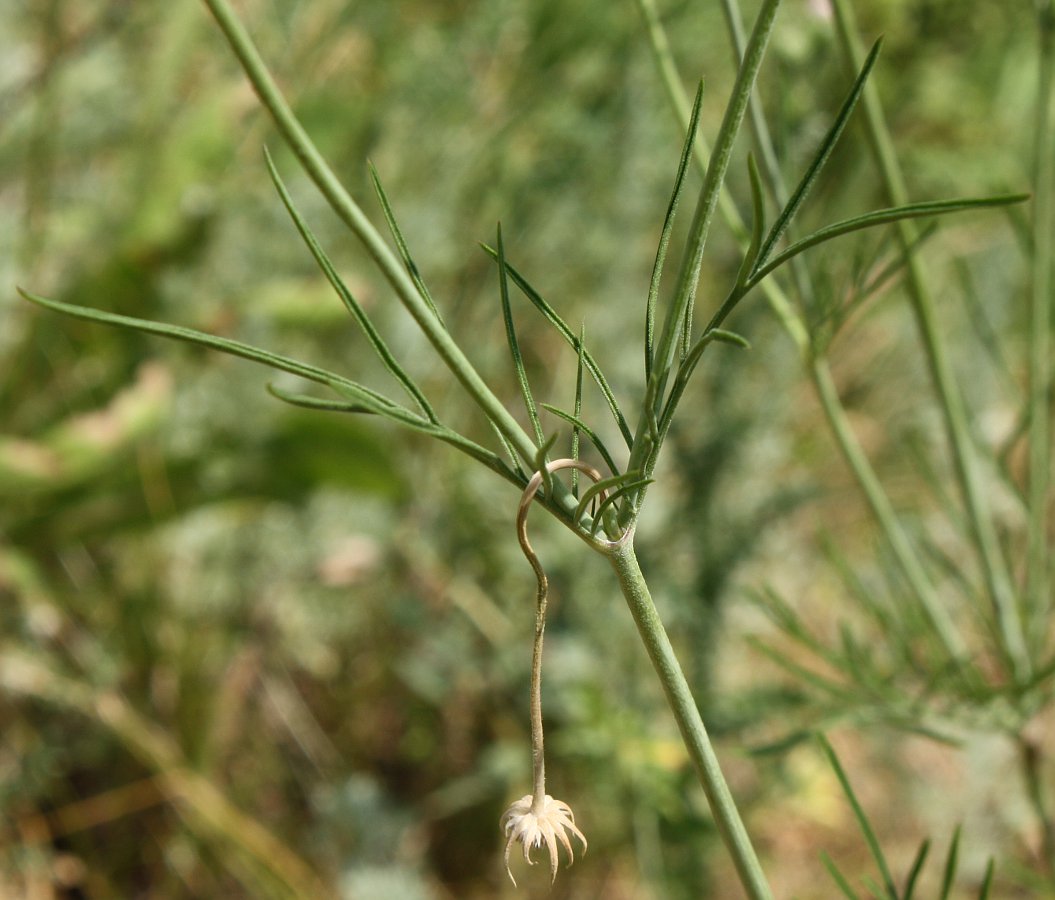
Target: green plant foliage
(279, 649)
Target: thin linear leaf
(917, 867)
(578, 423)
(224, 345)
(668, 226)
(551, 316)
(838, 877)
(437, 430)
(987, 881)
(401, 244)
(308, 402)
(862, 818)
(951, 862)
(350, 303)
(881, 217)
(577, 411)
(798, 197)
(514, 344)
(510, 452)
(758, 222)
(365, 398)
(688, 366)
(604, 484)
(614, 497)
(378, 403)
(540, 464)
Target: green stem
(966, 465)
(815, 362)
(690, 723)
(1040, 368)
(679, 311)
(350, 213)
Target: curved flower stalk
(537, 817)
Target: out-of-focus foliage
(215, 606)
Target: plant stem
(965, 462)
(690, 723)
(680, 310)
(348, 210)
(812, 356)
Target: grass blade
(881, 217)
(401, 244)
(917, 867)
(514, 344)
(551, 316)
(862, 818)
(668, 226)
(952, 859)
(350, 303)
(803, 188)
(987, 882)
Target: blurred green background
(220, 612)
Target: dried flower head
(553, 821)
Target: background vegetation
(234, 632)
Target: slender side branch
(693, 731)
(679, 313)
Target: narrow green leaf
(758, 222)
(668, 226)
(688, 366)
(614, 497)
(541, 454)
(514, 344)
(862, 818)
(987, 881)
(605, 484)
(401, 244)
(952, 859)
(838, 877)
(580, 425)
(801, 191)
(309, 402)
(434, 429)
(881, 217)
(510, 452)
(551, 316)
(577, 411)
(917, 867)
(224, 345)
(377, 403)
(350, 303)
